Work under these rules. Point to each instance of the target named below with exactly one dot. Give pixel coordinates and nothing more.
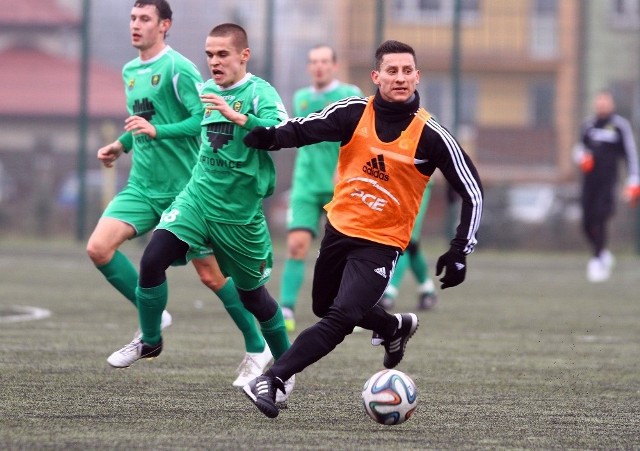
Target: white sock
(399, 316)
(427, 287)
(391, 292)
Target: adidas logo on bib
(376, 168)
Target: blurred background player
(313, 174)
(414, 258)
(163, 132)
(606, 138)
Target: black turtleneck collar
(395, 111)
(393, 117)
(601, 120)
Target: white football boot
(288, 388)
(597, 271)
(135, 350)
(253, 365)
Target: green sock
(276, 334)
(253, 340)
(419, 266)
(292, 277)
(151, 303)
(398, 274)
(121, 273)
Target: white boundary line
(25, 313)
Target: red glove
(632, 194)
(586, 162)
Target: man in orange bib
(390, 147)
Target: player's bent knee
(210, 274)
(297, 251)
(320, 310)
(298, 243)
(259, 302)
(99, 253)
(342, 322)
(212, 281)
(163, 250)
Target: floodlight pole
(83, 119)
(452, 197)
(455, 65)
(269, 40)
(379, 30)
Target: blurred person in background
(414, 258)
(606, 138)
(313, 174)
(163, 130)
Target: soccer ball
(389, 397)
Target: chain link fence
(512, 79)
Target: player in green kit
(414, 258)
(220, 209)
(163, 132)
(313, 174)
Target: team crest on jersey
(155, 80)
(264, 270)
(207, 111)
(363, 131)
(131, 84)
(237, 106)
(404, 144)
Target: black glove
(454, 262)
(261, 138)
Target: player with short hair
(163, 132)
(606, 138)
(220, 209)
(313, 174)
(390, 147)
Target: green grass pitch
(524, 355)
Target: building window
(625, 14)
(544, 29)
(627, 97)
(542, 103)
(435, 11)
(545, 7)
(438, 100)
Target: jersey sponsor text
(371, 201)
(219, 162)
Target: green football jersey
(164, 91)
(230, 180)
(315, 164)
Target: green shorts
(244, 252)
(416, 233)
(133, 207)
(304, 212)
